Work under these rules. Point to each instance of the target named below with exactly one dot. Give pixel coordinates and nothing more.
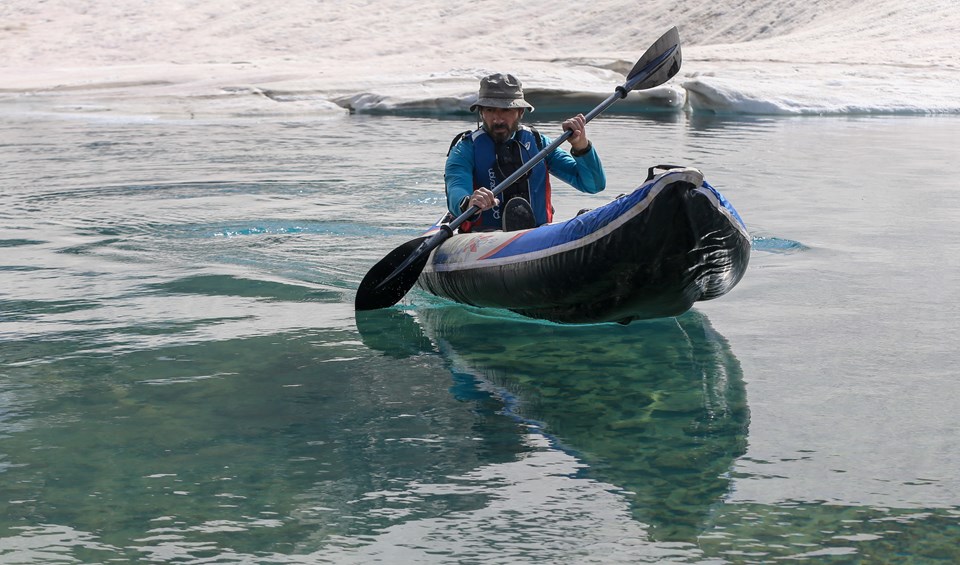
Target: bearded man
(480, 160)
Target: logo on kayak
(477, 241)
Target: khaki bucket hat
(500, 91)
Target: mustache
(501, 130)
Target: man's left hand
(578, 125)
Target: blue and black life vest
(494, 162)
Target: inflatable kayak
(649, 254)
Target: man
(480, 160)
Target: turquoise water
(183, 377)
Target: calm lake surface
(183, 377)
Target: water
(183, 378)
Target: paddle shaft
(620, 93)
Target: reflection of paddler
(656, 408)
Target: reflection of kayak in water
(652, 253)
(657, 408)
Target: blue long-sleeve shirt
(585, 173)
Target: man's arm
(458, 176)
(583, 172)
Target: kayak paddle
(394, 275)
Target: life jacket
(495, 162)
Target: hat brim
(501, 103)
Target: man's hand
(578, 125)
(483, 198)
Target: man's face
(501, 123)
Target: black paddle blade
(660, 62)
(383, 286)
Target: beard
(501, 132)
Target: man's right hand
(483, 199)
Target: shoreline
(249, 89)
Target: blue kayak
(649, 254)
